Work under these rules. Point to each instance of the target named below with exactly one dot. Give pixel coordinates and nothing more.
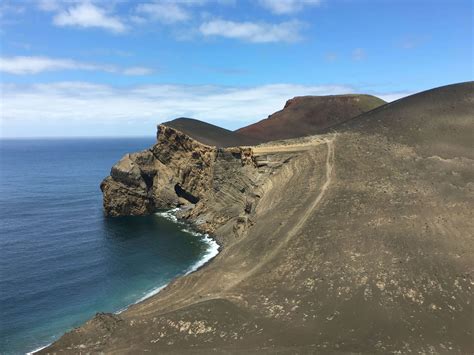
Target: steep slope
(209, 134)
(307, 115)
(437, 121)
(356, 241)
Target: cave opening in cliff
(185, 194)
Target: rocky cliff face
(179, 170)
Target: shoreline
(193, 268)
(210, 254)
(214, 249)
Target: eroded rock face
(179, 170)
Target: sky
(118, 68)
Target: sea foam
(38, 349)
(211, 252)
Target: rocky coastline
(179, 171)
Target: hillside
(355, 241)
(438, 121)
(209, 134)
(307, 115)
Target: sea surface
(61, 259)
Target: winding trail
(329, 174)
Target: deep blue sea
(61, 259)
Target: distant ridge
(209, 134)
(307, 115)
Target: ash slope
(358, 241)
(210, 134)
(307, 115)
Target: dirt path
(290, 146)
(314, 186)
(329, 172)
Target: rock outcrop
(178, 170)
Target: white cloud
(170, 11)
(107, 110)
(252, 31)
(33, 65)
(165, 12)
(137, 71)
(87, 15)
(359, 54)
(281, 7)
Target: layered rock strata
(215, 184)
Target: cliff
(215, 184)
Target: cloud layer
(89, 106)
(253, 32)
(281, 7)
(23, 65)
(183, 14)
(164, 12)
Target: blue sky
(117, 68)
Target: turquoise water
(61, 259)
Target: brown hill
(209, 134)
(307, 115)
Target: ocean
(61, 259)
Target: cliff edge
(215, 185)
